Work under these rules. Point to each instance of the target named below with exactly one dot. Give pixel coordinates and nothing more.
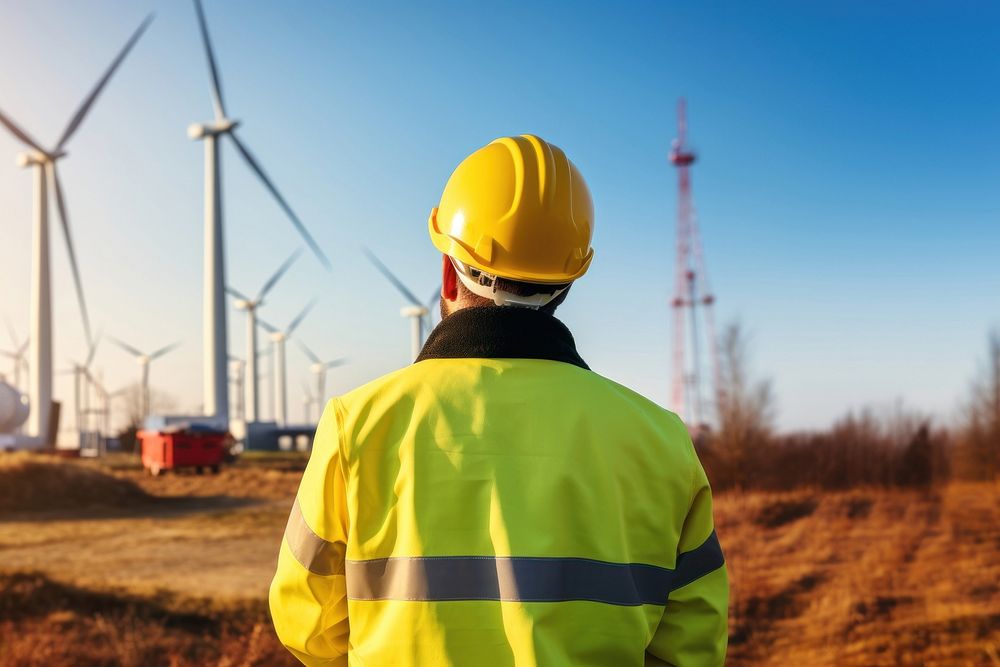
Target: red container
(183, 448)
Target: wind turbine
(307, 402)
(250, 306)
(238, 368)
(43, 162)
(278, 338)
(319, 369)
(417, 311)
(215, 345)
(17, 355)
(144, 360)
(81, 390)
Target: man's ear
(449, 279)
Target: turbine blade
(25, 138)
(298, 319)
(403, 289)
(257, 169)
(435, 298)
(93, 350)
(11, 355)
(24, 346)
(273, 280)
(64, 222)
(333, 363)
(125, 346)
(163, 350)
(235, 292)
(309, 353)
(270, 328)
(213, 69)
(81, 113)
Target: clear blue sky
(848, 186)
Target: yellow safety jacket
(497, 503)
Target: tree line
(868, 447)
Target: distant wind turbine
(215, 346)
(43, 162)
(144, 360)
(278, 339)
(319, 369)
(307, 402)
(244, 302)
(417, 311)
(80, 371)
(17, 355)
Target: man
(497, 503)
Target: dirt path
(213, 546)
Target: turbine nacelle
(37, 158)
(201, 130)
(278, 336)
(412, 311)
(245, 304)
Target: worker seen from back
(497, 502)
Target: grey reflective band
(527, 579)
(695, 564)
(317, 555)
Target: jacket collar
(492, 332)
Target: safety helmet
(517, 208)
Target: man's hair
(517, 288)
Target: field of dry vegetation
(173, 571)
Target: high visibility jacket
(497, 503)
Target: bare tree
(979, 455)
(745, 411)
(131, 399)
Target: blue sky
(847, 186)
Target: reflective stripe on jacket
(497, 503)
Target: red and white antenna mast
(691, 290)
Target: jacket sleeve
(694, 628)
(308, 596)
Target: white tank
(13, 408)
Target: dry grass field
(173, 571)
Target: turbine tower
(216, 355)
(80, 371)
(250, 401)
(691, 291)
(319, 369)
(43, 162)
(278, 339)
(144, 360)
(418, 312)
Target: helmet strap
(500, 297)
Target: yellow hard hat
(517, 208)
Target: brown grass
(34, 483)
(862, 577)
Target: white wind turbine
(278, 375)
(214, 334)
(307, 402)
(238, 377)
(418, 312)
(144, 360)
(43, 162)
(81, 379)
(251, 402)
(17, 355)
(319, 369)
